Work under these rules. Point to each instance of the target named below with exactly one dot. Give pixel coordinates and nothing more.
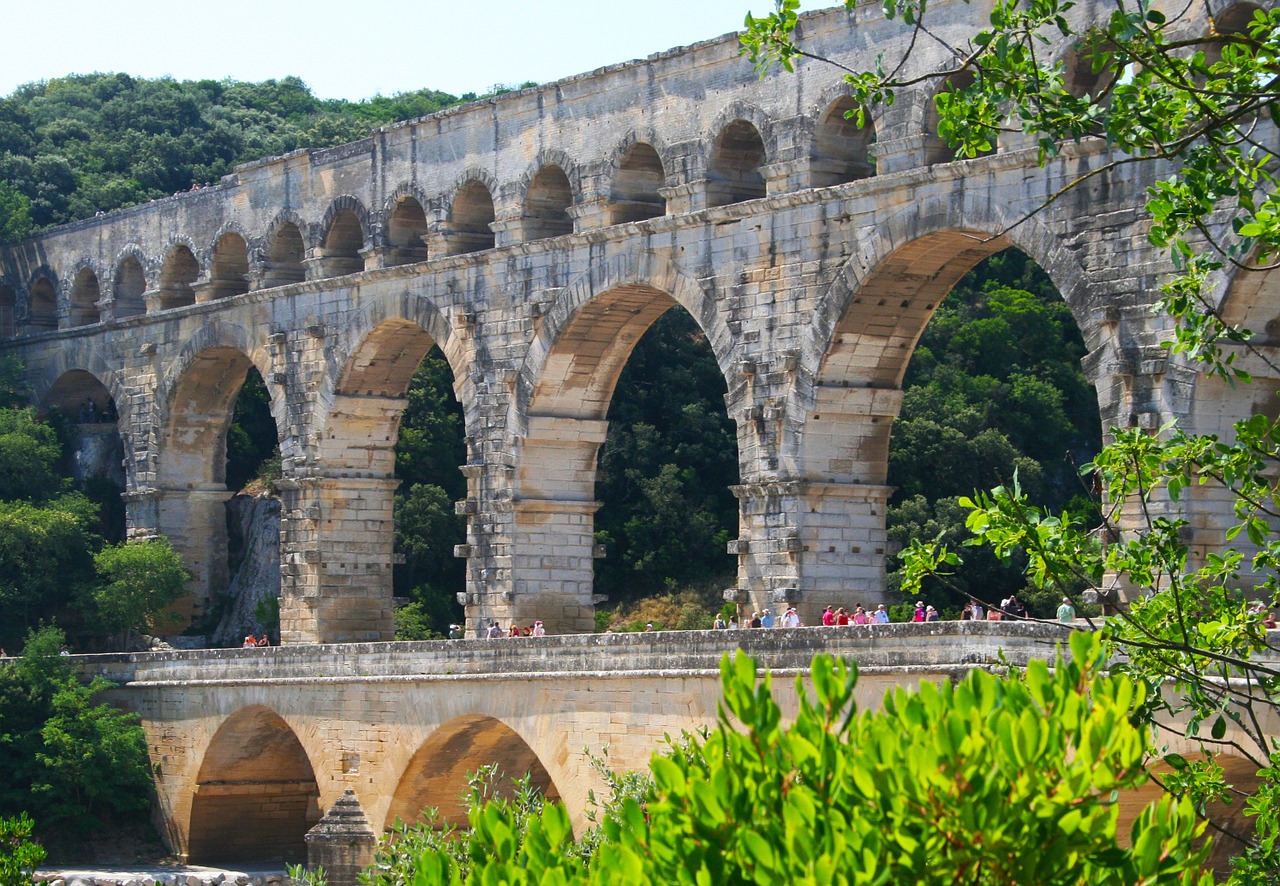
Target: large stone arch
(562, 398)
(256, 794)
(195, 405)
(436, 776)
(814, 489)
(93, 423)
(1247, 300)
(349, 490)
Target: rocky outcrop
(253, 532)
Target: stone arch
(344, 235)
(86, 291)
(178, 275)
(198, 388)
(638, 175)
(406, 226)
(129, 283)
(936, 150)
(471, 215)
(97, 448)
(437, 774)
(8, 311)
(1228, 821)
(229, 264)
(1078, 77)
(842, 150)
(42, 300)
(549, 192)
(561, 405)
(196, 399)
(79, 356)
(1232, 19)
(736, 154)
(69, 390)
(645, 272)
(285, 252)
(256, 794)
(371, 370)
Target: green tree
(66, 759)
(138, 580)
(1204, 105)
(1006, 779)
(19, 856)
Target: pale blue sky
(356, 48)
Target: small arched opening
(176, 278)
(636, 186)
(470, 219)
(546, 205)
(8, 312)
(405, 232)
(733, 173)
(283, 264)
(127, 288)
(842, 148)
(936, 149)
(437, 775)
(43, 312)
(343, 241)
(256, 794)
(85, 293)
(229, 268)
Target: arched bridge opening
(440, 773)
(256, 794)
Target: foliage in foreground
(19, 857)
(63, 758)
(1202, 100)
(1006, 779)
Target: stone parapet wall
(907, 646)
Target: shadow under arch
(256, 794)
(1230, 825)
(437, 775)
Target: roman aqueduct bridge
(534, 237)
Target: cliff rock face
(99, 453)
(253, 541)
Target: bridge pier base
(336, 543)
(809, 545)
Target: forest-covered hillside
(85, 143)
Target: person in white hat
(791, 618)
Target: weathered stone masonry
(534, 237)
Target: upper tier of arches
(744, 153)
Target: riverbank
(177, 875)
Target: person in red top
(919, 614)
(842, 617)
(828, 617)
